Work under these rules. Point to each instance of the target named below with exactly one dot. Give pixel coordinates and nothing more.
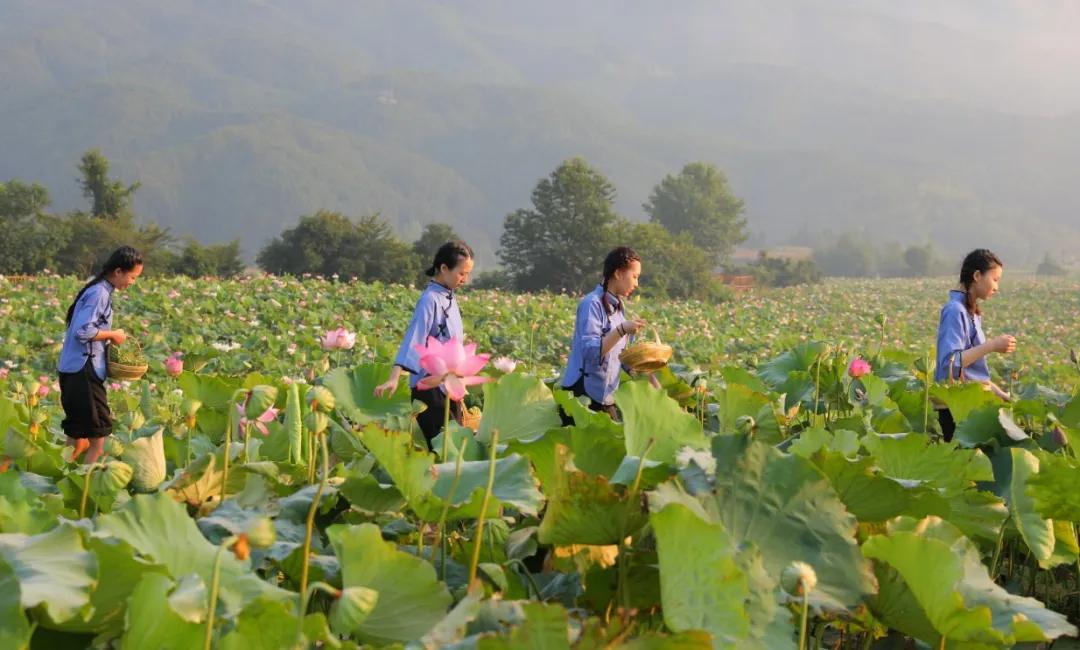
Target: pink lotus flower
(452, 365)
(339, 339)
(859, 367)
(504, 364)
(174, 365)
(4, 372)
(43, 390)
(269, 415)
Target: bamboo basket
(125, 371)
(471, 419)
(646, 356)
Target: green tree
(433, 236)
(561, 241)
(32, 239)
(328, 243)
(1050, 266)
(218, 260)
(699, 201)
(672, 266)
(109, 198)
(919, 260)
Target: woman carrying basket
(602, 332)
(83, 360)
(961, 345)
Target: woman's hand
(1004, 344)
(118, 337)
(388, 387)
(633, 326)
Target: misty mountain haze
(955, 122)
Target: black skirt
(86, 405)
(431, 420)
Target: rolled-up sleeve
(88, 313)
(590, 327)
(950, 342)
(417, 333)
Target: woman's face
(985, 284)
(625, 280)
(122, 279)
(453, 278)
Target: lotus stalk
(483, 509)
(445, 511)
(215, 584)
(310, 524)
(86, 487)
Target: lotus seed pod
(798, 579)
(259, 401)
(320, 398)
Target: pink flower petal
(455, 388)
(431, 381)
(475, 379)
(473, 364)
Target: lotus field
(786, 486)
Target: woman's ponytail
(124, 258)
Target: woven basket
(124, 371)
(646, 356)
(471, 419)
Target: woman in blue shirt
(83, 359)
(437, 315)
(602, 332)
(961, 344)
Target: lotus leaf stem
(310, 524)
(483, 508)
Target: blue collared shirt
(93, 313)
(592, 324)
(959, 330)
(437, 315)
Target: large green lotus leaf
(146, 455)
(737, 375)
(786, 506)
(542, 453)
(54, 571)
(650, 415)
(802, 357)
(263, 625)
(518, 407)
(1053, 489)
(584, 509)
(354, 390)
(1070, 415)
(14, 628)
(545, 628)
(598, 447)
(21, 510)
(811, 440)
(366, 493)
(963, 398)
(1037, 533)
(411, 599)
(1066, 544)
(981, 427)
(945, 575)
(866, 494)
(735, 401)
(213, 391)
(513, 485)
(451, 629)
(119, 571)
(162, 532)
(411, 469)
(199, 484)
(701, 584)
(978, 514)
(897, 607)
(152, 623)
(913, 457)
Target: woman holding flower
(83, 358)
(437, 317)
(602, 332)
(961, 345)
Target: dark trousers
(85, 404)
(578, 389)
(431, 420)
(948, 425)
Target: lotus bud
(1059, 436)
(260, 399)
(1072, 355)
(351, 608)
(260, 532)
(316, 421)
(798, 579)
(319, 398)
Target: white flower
(798, 578)
(504, 364)
(702, 459)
